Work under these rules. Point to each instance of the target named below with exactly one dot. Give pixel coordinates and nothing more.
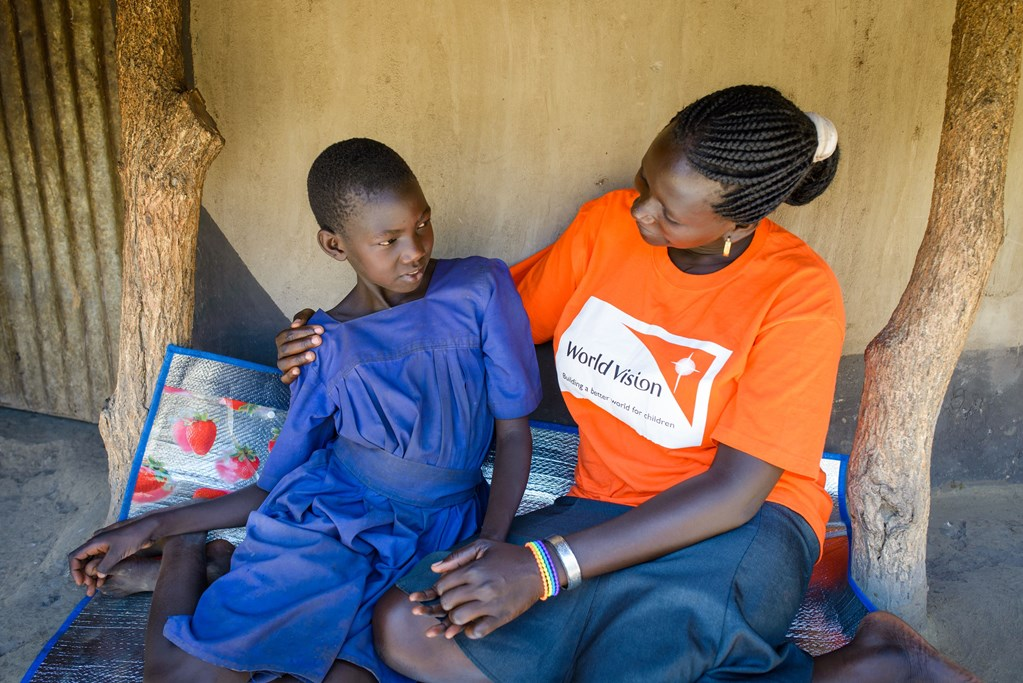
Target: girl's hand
(485, 585)
(90, 562)
(293, 345)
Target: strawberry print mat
(210, 428)
(213, 423)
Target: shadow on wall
(234, 315)
(979, 434)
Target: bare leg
(138, 573)
(181, 581)
(341, 672)
(346, 672)
(888, 649)
(401, 643)
(218, 559)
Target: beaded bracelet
(548, 573)
(551, 567)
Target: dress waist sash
(407, 481)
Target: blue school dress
(377, 465)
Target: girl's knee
(158, 673)
(180, 667)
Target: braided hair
(351, 172)
(758, 145)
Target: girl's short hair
(351, 172)
(758, 145)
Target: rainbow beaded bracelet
(548, 571)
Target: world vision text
(611, 368)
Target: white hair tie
(827, 136)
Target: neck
(708, 258)
(367, 298)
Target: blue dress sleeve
(308, 427)
(509, 358)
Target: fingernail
(316, 341)
(319, 330)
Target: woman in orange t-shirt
(696, 345)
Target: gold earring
(728, 247)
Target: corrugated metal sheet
(60, 245)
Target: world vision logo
(656, 382)
(681, 366)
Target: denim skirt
(715, 611)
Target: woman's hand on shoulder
(92, 561)
(293, 345)
(485, 585)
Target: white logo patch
(656, 382)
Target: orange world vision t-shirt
(658, 366)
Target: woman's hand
(90, 562)
(293, 345)
(485, 585)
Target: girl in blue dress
(377, 465)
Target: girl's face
(388, 241)
(674, 207)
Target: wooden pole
(168, 142)
(909, 364)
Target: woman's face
(674, 204)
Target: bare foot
(131, 575)
(887, 649)
(138, 573)
(925, 662)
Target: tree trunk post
(168, 142)
(909, 364)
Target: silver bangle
(568, 561)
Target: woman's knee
(401, 642)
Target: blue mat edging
(227, 360)
(154, 407)
(41, 657)
(843, 511)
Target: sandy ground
(53, 494)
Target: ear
(332, 245)
(743, 231)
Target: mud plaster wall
(513, 113)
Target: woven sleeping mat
(211, 426)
